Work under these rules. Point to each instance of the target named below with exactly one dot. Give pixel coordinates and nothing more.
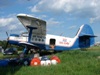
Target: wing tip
(23, 15)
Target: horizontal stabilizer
(88, 35)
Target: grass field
(75, 62)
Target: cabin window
(35, 39)
(39, 39)
(42, 40)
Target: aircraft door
(84, 41)
(52, 43)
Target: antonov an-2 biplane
(38, 39)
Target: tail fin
(86, 36)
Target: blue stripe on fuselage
(57, 48)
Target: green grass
(75, 62)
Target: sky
(63, 17)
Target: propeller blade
(7, 34)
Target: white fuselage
(49, 41)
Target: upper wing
(29, 21)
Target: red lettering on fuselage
(65, 43)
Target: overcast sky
(62, 16)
